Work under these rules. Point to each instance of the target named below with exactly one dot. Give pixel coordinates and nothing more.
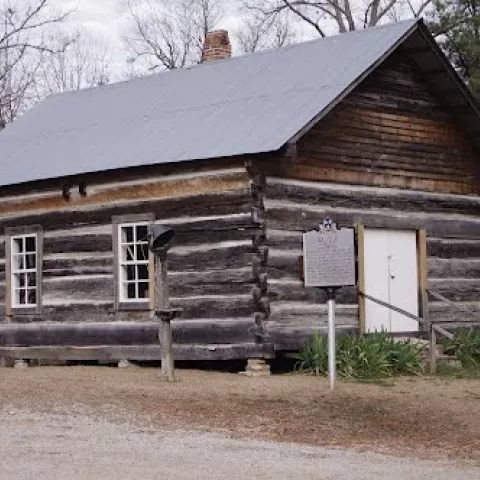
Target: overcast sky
(107, 20)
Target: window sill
(133, 306)
(26, 310)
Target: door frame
(422, 272)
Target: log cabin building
(240, 156)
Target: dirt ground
(426, 416)
(46, 445)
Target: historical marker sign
(329, 257)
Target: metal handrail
(422, 321)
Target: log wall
(452, 223)
(210, 265)
(390, 131)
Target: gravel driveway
(78, 444)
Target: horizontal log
(91, 287)
(201, 276)
(395, 129)
(214, 257)
(368, 164)
(293, 338)
(77, 243)
(286, 264)
(388, 104)
(457, 290)
(358, 176)
(398, 126)
(451, 318)
(374, 159)
(453, 248)
(347, 196)
(215, 306)
(203, 234)
(301, 217)
(294, 290)
(303, 313)
(82, 310)
(284, 242)
(201, 331)
(74, 311)
(72, 265)
(180, 290)
(454, 268)
(211, 282)
(166, 187)
(229, 202)
(138, 353)
(352, 136)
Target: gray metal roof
(245, 105)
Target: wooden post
(361, 276)
(165, 314)
(422, 272)
(433, 349)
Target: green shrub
(313, 357)
(374, 356)
(466, 347)
(405, 358)
(364, 357)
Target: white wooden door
(390, 258)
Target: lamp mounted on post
(160, 241)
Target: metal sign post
(331, 337)
(329, 263)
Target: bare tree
(84, 63)
(344, 15)
(23, 42)
(261, 32)
(169, 34)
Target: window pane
(30, 244)
(18, 262)
(143, 290)
(142, 253)
(30, 260)
(129, 272)
(31, 279)
(142, 272)
(131, 290)
(127, 253)
(20, 279)
(142, 231)
(21, 297)
(17, 246)
(32, 296)
(127, 234)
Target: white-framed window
(133, 262)
(24, 270)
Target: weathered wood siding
(390, 131)
(210, 265)
(452, 223)
(393, 135)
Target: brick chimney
(217, 46)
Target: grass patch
(449, 371)
(466, 347)
(371, 357)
